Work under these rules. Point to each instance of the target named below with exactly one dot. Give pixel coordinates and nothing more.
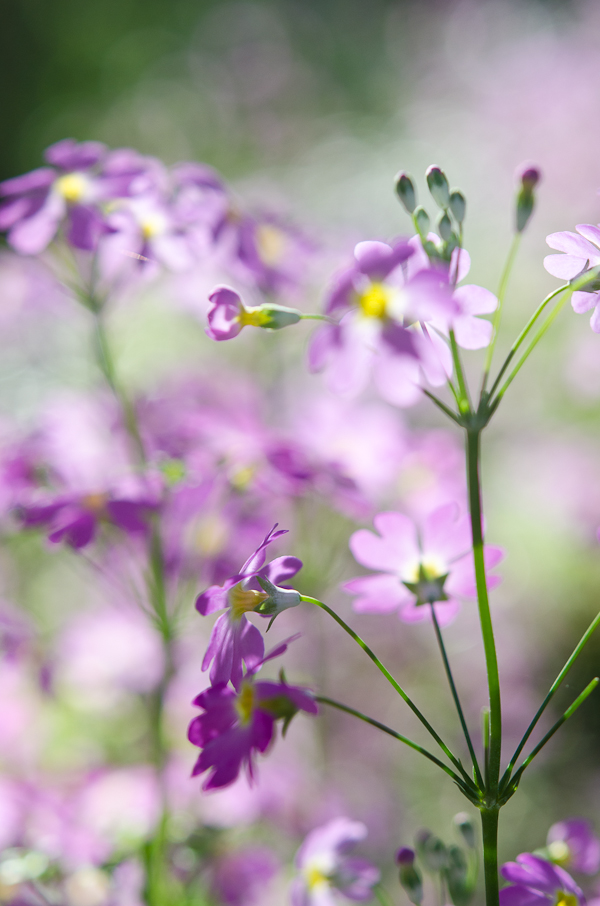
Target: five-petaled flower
(433, 566)
(325, 870)
(573, 844)
(536, 882)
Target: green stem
(523, 335)
(551, 692)
(485, 618)
(371, 654)
(453, 690)
(510, 260)
(568, 713)
(463, 394)
(489, 829)
(447, 411)
(382, 895)
(375, 723)
(315, 317)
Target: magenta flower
(228, 315)
(325, 869)
(430, 566)
(235, 641)
(536, 882)
(238, 724)
(37, 202)
(579, 252)
(75, 518)
(573, 844)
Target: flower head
(580, 250)
(235, 641)
(536, 882)
(573, 844)
(325, 870)
(433, 566)
(228, 315)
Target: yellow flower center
(95, 503)
(565, 899)
(255, 317)
(431, 567)
(151, 225)
(270, 244)
(244, 600)
(72, 187)
(244, 703)
(241, 478)
(374, 301)
(559, 852)
(315, 877)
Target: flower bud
(274, 317)
(458, 205)
(431, 850)
(421, 221)
(277, 600)
(461, 883)
(529, 177)
(466, 828)
(405, 191)
(410, 877)
(444, 226)
(438, 186)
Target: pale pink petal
(472, 333)
(595, 319)
(435, 357)
(582, 302)
(445, 535)
(377, 594)
(397, 378)
(390, 552)
(464, 264)
(589, 232)
(399, 531)
(572, 244)
(445, 612)
(565, 267)
(475, 300)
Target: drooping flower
(75, 518)
(430, 566)
(326, 871)
(579, 253)
(536, 882)
(228, 315)
(234, 640)
(236, 725)
(573, 844)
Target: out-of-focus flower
(536, 882)
(234, 641)
(37, 202)
(326, 870)
(433, 566)
(228, 315)
(75, 518)
(579, 253)
(573, 844)
(239, 878)
(236, 725)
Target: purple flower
(228, 315)
(75, 518)
(430, 566)
(579, 252)
(536, 882)
(573, 844)
(239, 878)
(325, 869)
(234, 640)
(37, 202)
(238, 724)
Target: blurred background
(309, 108)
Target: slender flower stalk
(503, 286)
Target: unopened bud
(421, 221)
(444, 226)
(460, 885)
(529, 177)
(405, 191)
(410, 876)
(277, 600)
(438, 186)
(277, 316)
(466, 828)
(458, 205)
(431, 850)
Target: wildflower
(573, 844)
(75, 518)
(237, 724)
(325, 869)
(234, 640)
(228, 315)
(38, 201)
(579, 253)
(239, 878)
(434, 566)
(536, 881)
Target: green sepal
(411, 880)
(421, 220)
(460, 880)
(277, 600)
(405, 190)
(428, 590)
(278, 316)
(592, 281)
(458, 205)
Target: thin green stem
(464, 403)
(551, 692)
(311, 317)
(502, 287)
(371, 654)
(485, 734)
(445, 409)
(376, 723)
(455, 696)
(382, 896)
(568, 713)
(489, 829)
(485, 618)
(523, 335)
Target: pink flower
(431, 566)
(579, 252)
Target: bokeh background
(310, 108)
